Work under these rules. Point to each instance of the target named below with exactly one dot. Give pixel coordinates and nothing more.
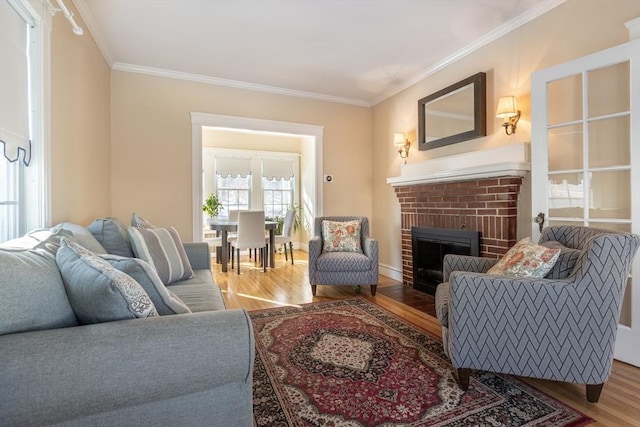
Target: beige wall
(151, 144)
(80, 126)
(572, 30)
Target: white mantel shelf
(507, 160)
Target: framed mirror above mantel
(454, 114)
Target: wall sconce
(507, 110)
(400, 141)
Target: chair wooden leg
(264, 258)
(374, 288)
(238, 261)
(463, 378)
(290, 249)
(286, 256)
(593, 392)
(313, 290)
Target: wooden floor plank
(287, 284)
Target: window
(234, 193)
(251, 180)
(277, 196)
(22, 144)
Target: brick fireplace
(470, 191)
(485, 205)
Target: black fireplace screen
(430, 245)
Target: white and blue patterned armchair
(561, 327)
(343, 268)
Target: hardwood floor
(288, 284)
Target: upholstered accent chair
(561, 327)
(343, 268)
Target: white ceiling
(353, 51)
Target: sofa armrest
(452, 262)
(199, 255)
(84, 370)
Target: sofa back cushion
(32, 294)
(112, 235)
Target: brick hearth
(486, 205)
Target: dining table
(223, 227)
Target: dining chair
(213, 241)
(250, 235)
(287, 233)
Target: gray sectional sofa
(187, 369)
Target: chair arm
(199, 255)
(315, 248)
(472, 264)
(370, 248)
(56, 375)
(531, 327)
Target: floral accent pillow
(526, 259)
(341, 236)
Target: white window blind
(233, 166)
(278, 169)
(14, 85)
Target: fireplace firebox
(430, 245)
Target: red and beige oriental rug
(352, 363)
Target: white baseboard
(390, 272)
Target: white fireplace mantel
(507, 160)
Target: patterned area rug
(352, 363)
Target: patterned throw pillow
(341, 236)
(526, 259)
(163, 249)
(97, 291)
(165, 301)
(139, 222)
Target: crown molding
(90, 23)
(502, 30)
(199, 78)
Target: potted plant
(212, 206)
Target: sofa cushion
(112, 235)
(339, 261)
(526, 259)
(163, 249)
(83, 236)
(43, 238)
(97, 291)
(32, 294)
(341, 236)
(199, 293)
(165, 301)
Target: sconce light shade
(508, 110)
(399, 140)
